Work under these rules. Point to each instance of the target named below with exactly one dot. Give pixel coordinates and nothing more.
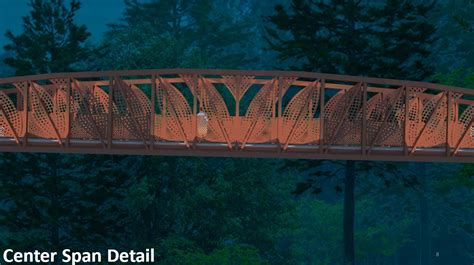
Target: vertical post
(237, 96)
(280, 110)
(405, 123)
(68, 111)
(321, 116)
(312, 111)
(152, 111)
(456, 111)
(195, 102)
(56, 99)
(163, 111)
(18, 100)
(110, 126)
(363, 135)
(273, 120)
(25, 112)
(236, 131)
(448, 122)
(349, 213)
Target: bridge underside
(236, 114)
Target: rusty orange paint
(238, 113)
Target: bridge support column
(349, 213)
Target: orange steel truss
(237, 113)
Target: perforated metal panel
(258, 122)
(11, 123)
(285, 111)
(342, 125)
(177, 115)
(298, 124)
(385, 118)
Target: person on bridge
(202, 123)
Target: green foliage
(319, 236)
(49, 204)
(312, 38)
(377, 235)
(50, 42)
(52, 201)
(456, 77)
(168, 34)
(210, 203)
(198, 209)
(440, 202)
(455, 24)
(458, 191)
(390, 40)
(235, 211)
(229, 255)
(403, 37)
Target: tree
(51, 41)
(309, 36)
(4, 69)
(456, 77)
(319, 238)
(198, 210)
(389, 39)
(455, 24)
(210, 206)
(53, 202)
(50, 204)
(179, 33)
(351, 37)
(403, 40)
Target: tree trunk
(349, 208)
(424, 231)
(396, 260)
(55, 203)
(424, 218)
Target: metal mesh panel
(212, 103)
(464, 128)
(340, 117)
(434, 121)
(399, 117)
(176, 114)
(257, 124)
(10, 119)
(238, 85)
(385, 118)
(298, 116)
(414, 123)
(90, 120)
(42, 118)
(132, 115)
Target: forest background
(245, 211)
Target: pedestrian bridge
(236, 113)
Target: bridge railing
(230, 110)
